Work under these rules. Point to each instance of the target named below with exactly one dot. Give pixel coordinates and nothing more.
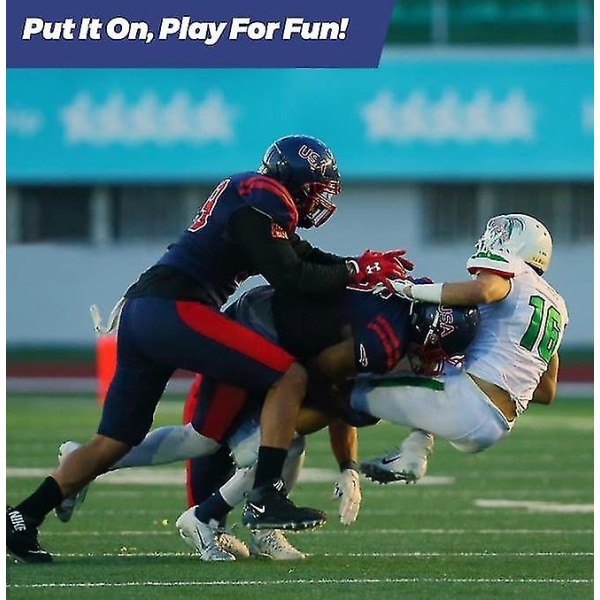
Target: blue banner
(188, 33)
(417, 116)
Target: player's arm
(486, 288)
(344, 444)
(336, 363)
(546, 389)
(310, 253)
(276, 259)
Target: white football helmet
(519, 235)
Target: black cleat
(21, 538)
(268, 507)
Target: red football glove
(375, 267)
(398, 256)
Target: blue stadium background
(478, 107)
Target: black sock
(269, 464)
(214, 507)
(42, 501)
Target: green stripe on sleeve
(408, 381)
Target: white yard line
(536, 506)
(176, 476)
(293, 582)
(126, 554)
(346, 533)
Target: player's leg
(211, 343)
(126, 417)
(160, 446)
(193, 524)
(206, 474)
(451, 407)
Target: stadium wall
(50, 287)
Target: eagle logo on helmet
(504, 228)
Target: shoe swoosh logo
(202, 542)
(390, 459)
(258, 509)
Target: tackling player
(512, 361)
(170, 319)
(380, 336)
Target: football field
(514, 521)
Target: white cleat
(272, 544)
(408, 463)
(201, 537)
(228, 542)
(64, 511)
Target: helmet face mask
(317, 206)
(307, 168)
(518, 235)
(440, 335)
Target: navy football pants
(157, 336)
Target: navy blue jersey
(380, 329)
(306, 326)
(205, 251)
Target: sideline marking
(536, 506)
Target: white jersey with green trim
(517, 336)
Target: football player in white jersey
(511, 362)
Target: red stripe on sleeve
(396, 343)
(265, 183)
(234, 336)
(389, 351)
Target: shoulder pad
(270, 198)
(500, 264)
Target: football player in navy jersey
(361, 333)
(170, 319)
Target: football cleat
(408, 463)
(201, 537)
(268, 507)
(64, 511)
(228, 542)
(272, 544)
(22, 538)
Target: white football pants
(450, 406)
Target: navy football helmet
(307, 168)
(440, 334)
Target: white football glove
(393, 287)
(347, 489)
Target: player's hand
(395, 287)
(347, 489)
(398, 256)
(375, 267)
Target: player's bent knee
(296, 377)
